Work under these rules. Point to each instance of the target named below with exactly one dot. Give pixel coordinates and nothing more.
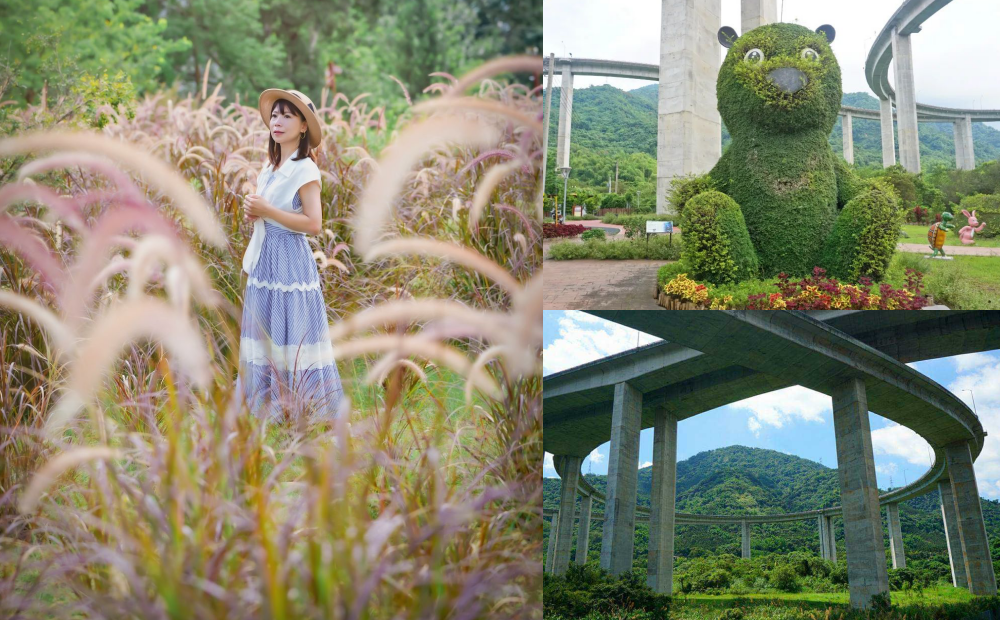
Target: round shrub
(987, 208)
(593, 233)
(784, 578)
(864, 237)
(716, 243)
(685, 188)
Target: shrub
(784, 578)
(685, 188)
(987, 208)
(550, 231)
(717, 245)
(918, 215)
(593, 233)
(658, 248)
(588, 588)
(864, 236)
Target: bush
(550, 231)
(615, 218)
(784, 578)
(987, 208)
(864, 236)
(685, 188)
(593, 233)
(588, 588)
(717, 245)
(658, 248)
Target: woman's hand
(254, 206)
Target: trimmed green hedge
(716, 243)
(987, 208)
(864, 238)
(658, 248)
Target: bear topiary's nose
(788, 79)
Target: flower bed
(551, 231)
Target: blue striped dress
(286, 357)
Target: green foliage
(96, 92)
(615, 218)
(594, 233)
(716, 243)
(684, 188)
(864, 238)
(584, 589)
(659, 247)
(987, 208)
(784, 578)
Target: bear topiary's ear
(727, 36)
(828, 30)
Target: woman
(285, 353)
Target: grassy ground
(966, 283)
(918, 234)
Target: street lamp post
(973, 402)
(565, 173)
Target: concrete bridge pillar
(831, 539)
(888, 134)
(689, 129)
(955, 555)
(583, 534)
(570, 474)
(660, 565)
(895, 536)
(969, 513)
(848, 127)
(623, 474)
(756, 13)
(553, 535)
(906, 101)
(823, 538)
(866, 572)
(745, 531)
(965, 158)
(545, 120)
(565, 116)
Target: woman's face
(286, 126)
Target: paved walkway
(950, 250)
(600, 284)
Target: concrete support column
(583, 534)
(660, 565)
(570, 473)
(970, 154)
(906, 101)
(689, 129)
(965, 158)
(888, 135)
(545, 119)
(553, 534)
(969, 513)
(895, 536)
(745, 531)
(756, 13)
(956, 558)
(866, 572)
(831, 541)
(848, 127)
(565, 116)
(824, 539)
(623, 475)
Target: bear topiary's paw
(865, 234)
(716, 243)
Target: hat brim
(266, 102)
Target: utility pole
(616, 176)
(565, 173)
(609, 182)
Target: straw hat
(300, 101)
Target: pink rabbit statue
(967, 232)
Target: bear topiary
(717, 247)
(864, 237)
(779, 92)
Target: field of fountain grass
(133, 480)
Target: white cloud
(971, 361)
(547, 463)
(783, 406)
(982, 379)
(645, 464)
(596, 456)
(900, 441)
(886, 468)
(584, 338)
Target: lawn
(918, 234)
(965, 283)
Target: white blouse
(280, 192)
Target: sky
(954, 53)
(795, 420)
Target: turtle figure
(937, 232)
(783, 202)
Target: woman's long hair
(273, 150)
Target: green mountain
(609, 124)
(741, 480)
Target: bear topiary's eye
(810, 54)
(754, 55)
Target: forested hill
(609, 123)
(741, 480)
